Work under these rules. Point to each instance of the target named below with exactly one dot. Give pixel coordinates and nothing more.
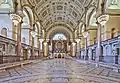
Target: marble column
(45, 48)
(86, 52)
(19, 47)
(32, 54)
(14, 33)
(73, 49)
(17, 21)
(98, 44)
(78, 48)
(40, 47)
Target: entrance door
(25, 54)
(1, 57)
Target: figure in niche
(1, 47)
(4, 32)
(15, 5)
(5, 4)
(114, 2)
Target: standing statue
(3, 1)
(114, 2)
(15, 4)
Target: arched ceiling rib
(67, 11)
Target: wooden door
(25, 54)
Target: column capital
(73, 43)
(16, 18)
(77, 40)
(41, 40)
(46, 40)
(102, 19)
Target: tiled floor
(59, 71)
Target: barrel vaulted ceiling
(61, 12)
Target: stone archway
(48, 44)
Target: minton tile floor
(59, 71)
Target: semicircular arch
(59, 29)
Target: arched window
(93, 19)
(113, 31)
(25, 28)
(6, 6)
(4, 32)
(24, 40)
(59, 36)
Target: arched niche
(4, 32)
(25, 28)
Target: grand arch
(59, 29)
(68, 43)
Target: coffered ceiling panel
(60, 11)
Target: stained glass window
(59, 36)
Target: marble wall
(110, 51)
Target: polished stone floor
(59, 71)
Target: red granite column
(19, 39)
(17, 21)
(40, 48)
(32, 54)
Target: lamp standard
(85, 35)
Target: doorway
(25, 54)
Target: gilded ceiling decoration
(67, 12)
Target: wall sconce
(33, 33)
(85, 34)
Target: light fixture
(15, 18)
(103, 19)
(77, 40)
(41, 40)
(73, 44)
(85, 34)
(33, 33)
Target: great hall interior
(59, 41)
